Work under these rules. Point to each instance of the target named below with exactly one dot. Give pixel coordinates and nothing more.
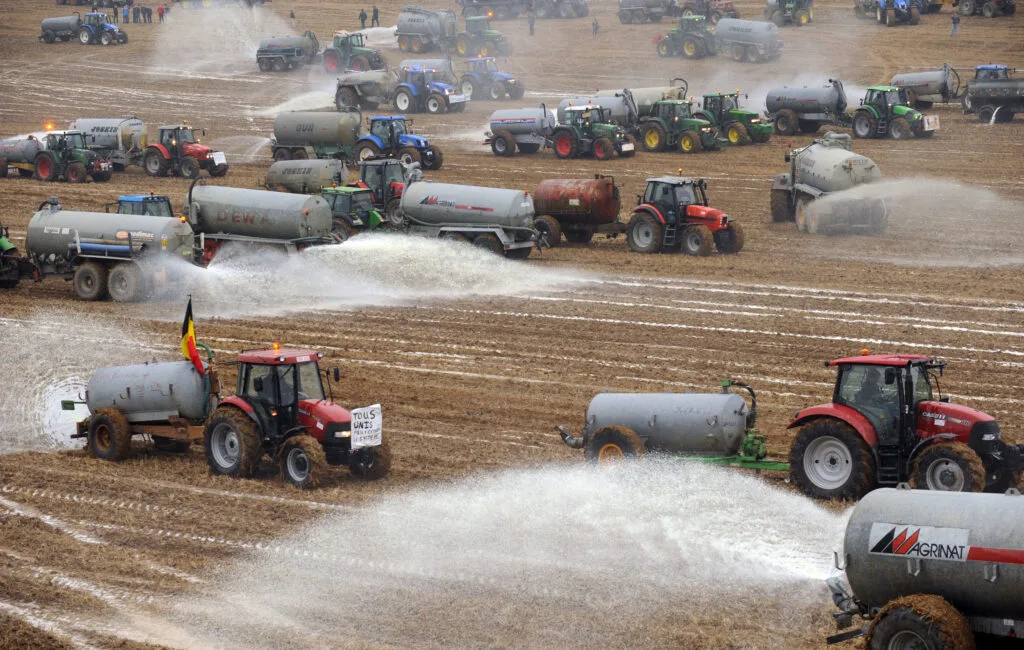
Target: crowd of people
(134, 13)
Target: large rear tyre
(156, 165)
(864, 125)
(110, 435)
(232, 443)
(371, 463)
(90, 281)
(549, 228)
(923, 621)
(643, 234)
(730, 240)
(780, 206)
(948, 467)
(829, 460)
(302, 461)
(565, 144)
(698, 241)
(613, 444)
(46, 167)
(127, 283)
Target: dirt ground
(474, 385)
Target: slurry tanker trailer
(929, 87)
(280, 409)
(305, 176)
(577, 209)
(527, 130)
(823, 168)
(935, 570)
(281, 53)
(121, 140)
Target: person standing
(160, 13)
(135, 15)
(124, 14)
(597, 27)
(956, 23)
(375, 20)
(114, 14)
(291, 16)
(532, 19)
(362, 18)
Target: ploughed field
(476, 384)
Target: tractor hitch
(574, 442)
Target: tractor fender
(369, 137)
(924, 442)
(243, 406)
(650, 209)
(809, 190)
(837, 412)
(406, 86)
(783, 182)
(474, 77)
(161, 148)
(704, 115)
(871, 110)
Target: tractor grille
(336, 449)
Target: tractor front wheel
(899, 129)
(110, 435)
(435, 104)
(920, 621)
(689, 142)
(829, 460)
(189, 167)
(948, 466)
(737, 133)
(432, 158)
(698, 241)
(613, 444)
(75, 173)
(232, 443)
(370, 463)
(730, 240)
(643, 235)
(302, 461)
(409, 155)
(603, 149)
(664, 48)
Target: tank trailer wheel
(345, 97)
(613, 444)
(500, 143)
(126, 283)
(899, 129)
(549, 228)
(371, 463)
(462, 46)
(644, 234)
(302, 461)
(189, 168)
(919, 621)
(432, 158)
(731, 239)
(110, 435)
(578, 236)
(409, 155)
(90, 281)
(157, 165)
(342, 231)
(75, 173)
(829, 460)
(698, 241)
(786, 122)
(689, 142)
(603, 149)
(654, 137)
(489, 243)
(457, 237)
(232, 443)
(988, 10)
(170, 445)
(278, 65)
(985, 113)
(948, 466)
(780, 206)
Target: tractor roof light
(864, 352)
(276, 346)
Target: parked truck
(493, 219)
(120, 140)
(577, 209)
(91, 28)
(57, 155)
(927, 88)
(524, 129)
(348, 51)
(484, 79)
(422, 30)
(280, 409)
(410, 89)
(121, 256)
(819, 170)
(282, 53)
(931, 570)
(674, 214)
(994, 94)
(744, 40)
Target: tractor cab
(725, 107)
(180, 140)
(98, 19)
(478, 25)
(694, 24)
(672, 194)
(674, 110)
(991, 72)
(64, 141)
(389, 129)
(353, 204)
(584, 117)
(484, 65)
(385, 178)
(884, 98)
(347, 41)
(144, 204)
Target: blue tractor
(484, 79)
(891, 12)
(390, 137)
(419, 91)
(96, 29)
(143, 204)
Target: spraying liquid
(368, 270)
(537, 558)
(49, 362)
(243, 148)
(321, 99)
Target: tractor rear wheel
(864, 125)
(432, 158)
(654, 137)
(780, 206)
(691, 48)
(370, 463)
(565, 144)
(786, 122)
(435, 104)
(126, 283)
(171, 445)
(360, 63)
(462, 45)
(948, 466)
(75, 173)
(737, 133)
(689, 142)
(920, 621)
(367, 151)
(156, 164)
(46, 167)
(110, 435)
(613, 444)
(232, 443)
(730, 240)
(489, 243)
(302, 461)
(603, 149)
(84, 36)
(404, 102)
(698, 241)
(409, 155)
(643, 234)
(90, 281)
(549, 228)
(189, 167)
(830, 460)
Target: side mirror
(890, 376)
(257, 384)
(336, 373)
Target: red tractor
(178, 151)
(674, 213)
(888, 424)
(386, 177)
(279, 409)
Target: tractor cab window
(491, 66)
(309, 385)
(185, 135)
(372, 175)
(74, 141)
(394, 174)
(874, 392)
(682, 111)
(381, 129)
(684, 195)
(922, 384)
(147, 208)
(988, 74)
(355, 40)
(400, 127)
(95, 19)
(260, 384)
(428, 77)
(896, 97)
(360, 202)
(712, 104)
(729, 103)
(658, 193)
(339, 203)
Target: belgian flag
(188, 339)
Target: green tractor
(480, 40)
(739, 125)
(671, 124)
(885, 111)
(10, 271)
(352, 210)
(349, 52)
(790, 12)
(586, 130)
(694, 39)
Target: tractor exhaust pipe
(574, 442)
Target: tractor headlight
(989, 437)
(755, 120)
(705, 129)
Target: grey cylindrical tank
(966, 547)
(616, 109)
(931, 85)
(305, 175)
(434, 24)
(150, 392)
(121, 133)
(257, 213)
(759, 31)
(282, 42)
(522, 120)
(693, 423)
(443, 203)
(21, 150)
(310, 128)
(58, 232)
(646, 97)
(61, 24)
(826, 99)
(829, 165)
